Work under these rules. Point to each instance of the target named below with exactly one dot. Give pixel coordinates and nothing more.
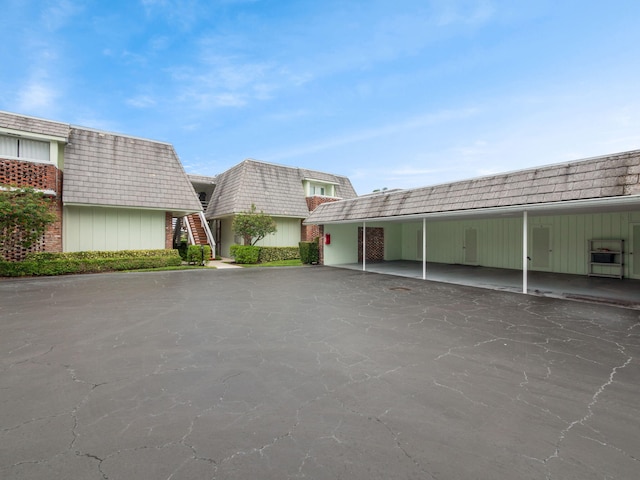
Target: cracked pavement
(311, 372)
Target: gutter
(569, 206)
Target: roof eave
(605, 204)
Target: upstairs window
(321, 190)
(23, 148)
(317, 190)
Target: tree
(253, 226)
(24, 216)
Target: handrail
(189, 231)
(207, 231)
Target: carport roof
(596, 183)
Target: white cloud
(416, 122)
(59, 13)
(38, 96)
(141, 101)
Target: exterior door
(471, 246)
(541, 247)
(634, 251)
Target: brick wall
(321, 244)
(168, 230)
(43, 177)
(375, 244)
(26, 174)
(309, 232)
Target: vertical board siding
(97, 228)
(500, 239)
(344, 244)
(287, 235)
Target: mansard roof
(110, 169)
(40, 126)
(276, 190)
(602, 178)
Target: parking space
(311, 372)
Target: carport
(579, 219)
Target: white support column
(525, 260)
(424, 248)
(364, 246)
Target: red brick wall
(309, 232)
(43, 177)
(26, 174)
(375, 244)
(168, 230)
(321, 244)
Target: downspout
(525, 264)
(424, 248)
(364, 246)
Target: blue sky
(392, 93)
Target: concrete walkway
(223, 263)
(317, 373)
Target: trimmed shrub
(274, 254)
(245, 254)
(198, 253)
(182, 250)
(48, 263)
(309, 252)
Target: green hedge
(274, 254)
(195, 253)
(309, 252)
(245, 254)
(46, 263)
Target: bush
(47, 263)
(309, 252)
(245, 254)
(198, 253)
(182, 250)
(275, 254)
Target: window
(24, 148)
(317, 189)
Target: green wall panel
(499, 240)
(98, 228)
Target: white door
(471, 246)
(541, 247)
(634, 251)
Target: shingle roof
(40, 126)
(608, 176)
(115, 170)
(275, 189)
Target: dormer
(319, 188)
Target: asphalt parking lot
(311, 372)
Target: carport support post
(525, 264)
(424, 248)
(364, 246)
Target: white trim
(569, 206)
(182, 212)
(424, 248)
(317, 180)
(525, 257)
(34, 136)
(364, 246)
